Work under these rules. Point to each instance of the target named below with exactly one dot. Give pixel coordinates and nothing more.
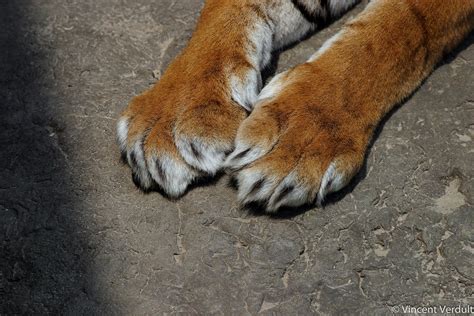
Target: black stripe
(313, 17)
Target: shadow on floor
(43, 251)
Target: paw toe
(338, 175)
(242, 156)
(122, 133)
(136, 160)
(205, 156)
(171, 174)
(290, 192)
(254, 186)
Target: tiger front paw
(299, 144)
(184, 127)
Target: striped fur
(309, 128)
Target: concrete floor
(78, 238)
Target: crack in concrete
(361, 277)
(286, 271)
(179, 256)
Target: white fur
(298, 196)
(265, 37)
(177, 175)
(337, 179)
(260, 46)
(271, 189)
(285, 25)
(247, 179)
(291, 26)
(273, 88)
(338, 7)
(141, 168)
(245, 92)
(253, 154)
(211, 158)
(122, 133)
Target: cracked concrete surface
(79, 238)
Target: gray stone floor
(78, 238)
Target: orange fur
(310, 137)
(192, 98)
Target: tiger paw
(184, 127)
(299, 144)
